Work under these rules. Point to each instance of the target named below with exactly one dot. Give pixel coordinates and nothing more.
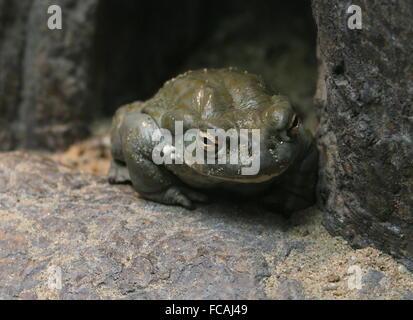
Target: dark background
(142, 44)
(54, 83)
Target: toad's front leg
(153, 182)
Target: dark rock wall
(45, 82)
(365, 102)
(12, 44)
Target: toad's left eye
(295, 123)
(208, 142)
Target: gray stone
(290, 289)
(365, 100)
(371, 280)
(407, 295)
(289, 246)
(108, 243)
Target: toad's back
(204, 95)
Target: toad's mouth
(223, 174)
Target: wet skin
(216, 98)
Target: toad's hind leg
(118, 173)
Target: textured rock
(45, 83)
(12, 44)
(365, 101)
(102, 241)
(110, 244)
(372, 280)
(290, 289)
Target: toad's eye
(208, 142)
(294, 123)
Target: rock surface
(365, 99)
(46, 79)
(105, 242)
(110, 244)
